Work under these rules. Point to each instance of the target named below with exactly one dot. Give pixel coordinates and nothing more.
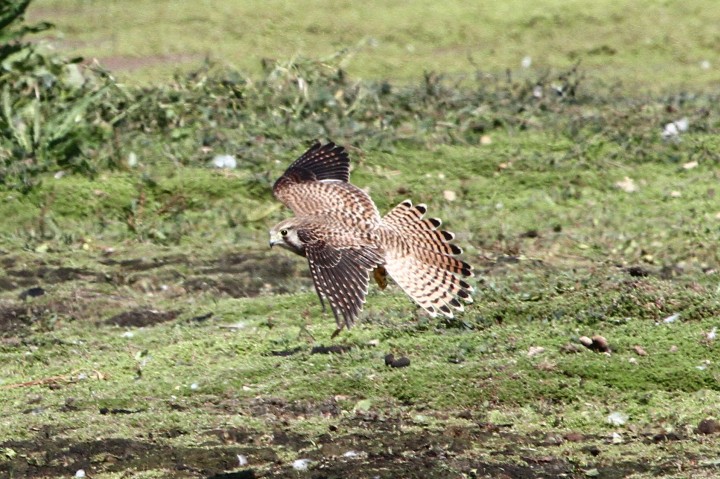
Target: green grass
(184, 378)
(646, 46)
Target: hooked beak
(275, 240)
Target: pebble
(596, 343)
(639, 350)
(301, 464)
(617, 418)
(224, 161)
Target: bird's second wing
(341, 274)
(319, 162)
(317, 184)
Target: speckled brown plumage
(339, 230)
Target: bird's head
(285, 235)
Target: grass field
(147, 331)
(646, 46)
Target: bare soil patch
(383, 448)
(76, 293)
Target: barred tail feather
(421, 259)
(435, 290)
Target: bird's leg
(339, 324)
(324, 310)
(322, 302)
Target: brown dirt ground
(385, 448)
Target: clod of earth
(32, 293)
(597, 343)
(638, 271)
(401, 362)
(708, 426)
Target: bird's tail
(421, 259)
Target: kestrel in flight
(338, 228)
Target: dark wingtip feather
(447, 235)
(466, 270)
(320, 162)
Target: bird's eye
(283, 232)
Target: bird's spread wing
(317, 183)
(320, 162)
(341, 274)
